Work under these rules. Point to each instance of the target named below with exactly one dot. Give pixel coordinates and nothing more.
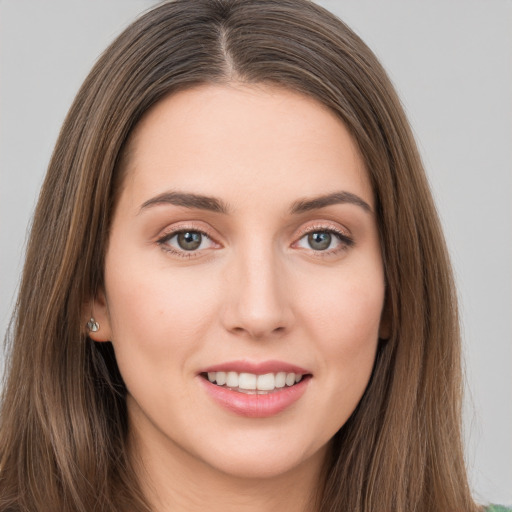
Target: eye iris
(319, 240)
(189, 240)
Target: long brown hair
(63, 420)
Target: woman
(247, 298)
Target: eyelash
(345, 241)
(162, 242)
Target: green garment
(498, 508)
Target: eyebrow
(201, 202)
(315, 203)
(187, 200)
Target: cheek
(348, 345)
(158, 318)
(344, 319)
(347, 309)
(158, 325)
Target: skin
(255, 290)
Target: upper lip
(256, 367)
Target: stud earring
(92, 325)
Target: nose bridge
(258, 305)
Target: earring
(92, 325)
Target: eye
(186, 241)
(319, 241)
(327, 240)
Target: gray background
(451, 62)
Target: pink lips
(257, 368)
(256, 405)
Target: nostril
(259, 333)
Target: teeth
(232, 380)
(247, 381)
(290, 379)
(252, 382)
(266, 382)
(280, 380)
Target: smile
(251, 383)
(255, 389)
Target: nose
(259, 305)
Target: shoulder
(497, 508)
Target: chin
(264, 459)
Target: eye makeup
(190, 241)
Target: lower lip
(256, 406)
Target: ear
(385, 321)
(97, 310)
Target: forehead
(237, 140)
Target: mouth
(252, 383)
(255, 389)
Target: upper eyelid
(174, 232)
(179, 227)
(168, 233)
(306, 228)
(343, 234)
(163, 240)
(323, 226)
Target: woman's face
(244, 250)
